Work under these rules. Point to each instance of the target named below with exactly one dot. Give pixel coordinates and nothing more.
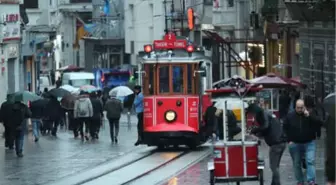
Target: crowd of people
(85, 119)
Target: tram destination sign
(170, 42)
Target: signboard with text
(148, 114)
(193, 104)
(170, 42)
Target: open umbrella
(121, 91)
(88, 88)
(25, 96)
(58, 92)
(68, 101)
(69, 88)
(271, 80)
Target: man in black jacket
(4, 119)
(300, 128)
(17, 115)
(97, 106)
(271, 129)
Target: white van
(45, 82)
(77, 79)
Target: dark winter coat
(54, 110)
(269, 126)
(4, 112)
(113, 108)
(97, 107)
(300, 128)
(17, 113)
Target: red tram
(174, 77)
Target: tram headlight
(170, 116)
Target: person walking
(54, 113)
(300, 128)
(17, 115)
(97, 106)
(138, 104)
(5, 119)
(83, 112)
(37, 108)
(271, 130)
(113, 109)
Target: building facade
(317, 68)
(39, 32)
(10, 38)
(104, 45)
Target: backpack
(83, 109)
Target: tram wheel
(261, 177)
(212, 177)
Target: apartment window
(208, 2)
(230, 3)
(30, 3)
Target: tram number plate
(217, 154)
(211, 165)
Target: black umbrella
(58, 93)
(329, 106)
(41, 103)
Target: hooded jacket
(270, 127)
(89, 110)
(17, 113)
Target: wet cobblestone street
(54, 158)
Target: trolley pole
(182, 17)
(172, 18)
(166, 18)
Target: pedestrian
(210, 120)
(97, 106)
(37, 108)
(271, 130)
(83, 112)
(17, 115)
(58, 82)
(300, 128)
(54, 113)
(5, 119)
(232, 125)
(138, 104)
(113, 109)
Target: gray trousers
(275, 154)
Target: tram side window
(178, 82)
(164, 79)
(148, 80)
(190, 79)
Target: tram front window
(178, 73)
(164, 79)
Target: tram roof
(177, 56)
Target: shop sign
(12, 51)
(11, 18)
(11, 32)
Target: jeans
(36, 123)
(275, 154)
(19, 138)
(114, 128)
(297, 152)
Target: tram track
(152, 169)
(129, 173)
